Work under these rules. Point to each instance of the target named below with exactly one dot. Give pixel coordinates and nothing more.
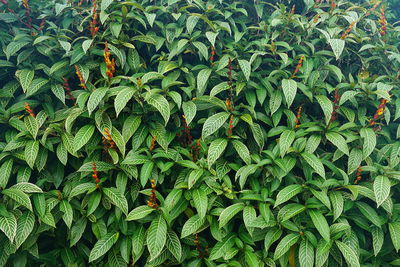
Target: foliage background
(275, 162)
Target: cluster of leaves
(207, 133)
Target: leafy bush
(217, 133)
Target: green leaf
(349, 254)
(32, 125)
(219, 88)
(394, 229)
(81, 188)
(13, 47)
(326, 105)
(118, 53)
(19, 196)
(138, 241)
(103, 245)
(25, 78)
(337, 47)
(145, 172)
(192, 225)
(355, 158)
(173, 244)
(228, 213)
(242, 151)
(161, 104)
(27, 187)
(117, 198)
(130, 126)
(194, 176)
(83, 136)
(68, 215)
(191, 23)
(322, 252)
(285, 244)
(381, 189)
(306, 254)
(275, 101)
(8, 225)
(221, 247)
(189, 109)
(122, 99)
(271, 236)
(202, 79)
(119, 140)
(338, 141)
(105, 4)
(377, 239)
(211, 36)
(217, 147)
(369, 144)
(25, 224)
(5, 172)
(65, 45)
(36, 85)
(337, 203)
(156, 236)
(285, 141)
(287, 193)
(100, 166)
(320, 223)
(251, 259)
(200, 201)
(290, 210)
(139, 213)
(58, 91)
(289, 88)
(203, 50)
(95, 98)
(315, 163)
(213, 123)
(87, 44)
(245, 66)
(62, 153)
(369, 213)
(31, 152)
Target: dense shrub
(199, 133)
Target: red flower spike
(93, 28)
(153, 143)
(212, 54)
(348, 30)
(333, 6)
(293, 9)
(372, 9)
(230, 127)
(29, 110)
(195, 150)
(298, 116)
(80, 77)
(185, 137)
(109, 139)
(299, 65)
(152, 203)
(382, 22)
(358, 175)
(68, 89)
(379, 112)
(335, 106)
(110, 64)
(95, 174)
